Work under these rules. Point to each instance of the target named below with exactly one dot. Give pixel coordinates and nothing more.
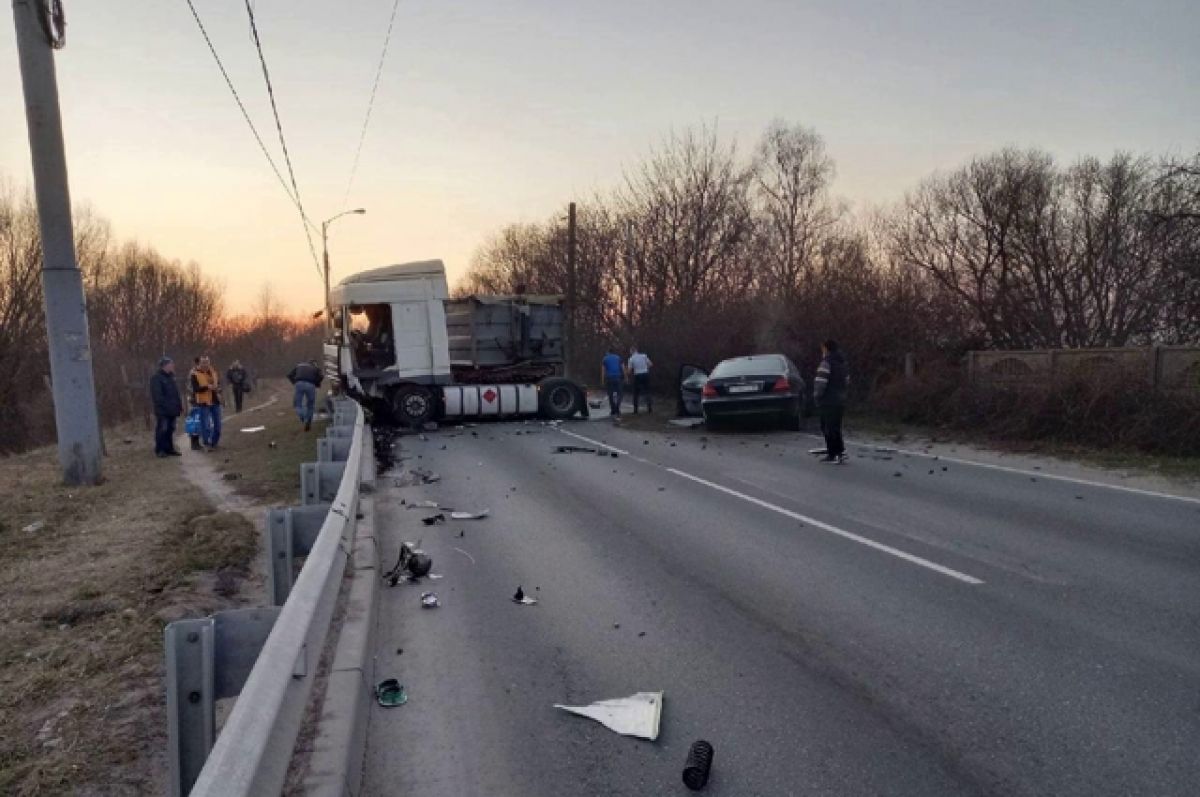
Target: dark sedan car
(765, 386)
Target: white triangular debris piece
(637, 715)
(253, 429)
(469, 515)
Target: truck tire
(413, 406)
(559, 399)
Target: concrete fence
(1173, 368)
(268, 656)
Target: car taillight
(781, 385)
(709, 391)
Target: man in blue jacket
(611, 372)
(168, 405)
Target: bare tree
(792, 174)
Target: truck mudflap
(483, 401)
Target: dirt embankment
(88, 579)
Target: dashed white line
(849, 535)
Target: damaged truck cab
(404, 349)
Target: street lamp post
(325, 257)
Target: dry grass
(267, 463)
(83, 602)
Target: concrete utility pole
(325, 255)
(569, 341)
(39, 31)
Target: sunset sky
(504, 110)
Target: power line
(371, 102)
(240, 104)
(282, 141)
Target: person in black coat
(239, 380)
(168, 406)
(829, 390)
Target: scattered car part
(637, 715)
(390, 693)
(699, 764)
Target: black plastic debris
(411, 564)
(520, 597)
(574, 450)
(698, 766)
(897, 473)
(613, 454)
(438, 518)
(429, 600)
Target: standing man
(307, 378)
(611, 373)
(239, 380)
(206, 395)
(829, 390)
(168, 405)
(639, 368)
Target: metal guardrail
(268, 657)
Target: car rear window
(749, 366)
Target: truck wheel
(412, 406)
(559, 399)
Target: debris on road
(520, 597)
(417, 476)
(390, 693)
(686, 422)
(574, 450)
(637, 715)
(36, 525)
(429, 600)
(422, 504)
(411, 564)
(699, 764)
(253, 429)
(480, 515)
(231, 477)
(438, 518)
(464, 553)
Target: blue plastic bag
(191, 424)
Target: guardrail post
(333, 449)
(191, 714)
(207, 659)
(290, 532)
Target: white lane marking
(908, 557)
(1040, 474)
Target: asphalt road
(899, 625)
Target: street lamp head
(359, 210)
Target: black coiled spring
(699, 762)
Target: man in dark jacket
(829, 390)
(307, 378)
(239, 380)
(168, 405)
